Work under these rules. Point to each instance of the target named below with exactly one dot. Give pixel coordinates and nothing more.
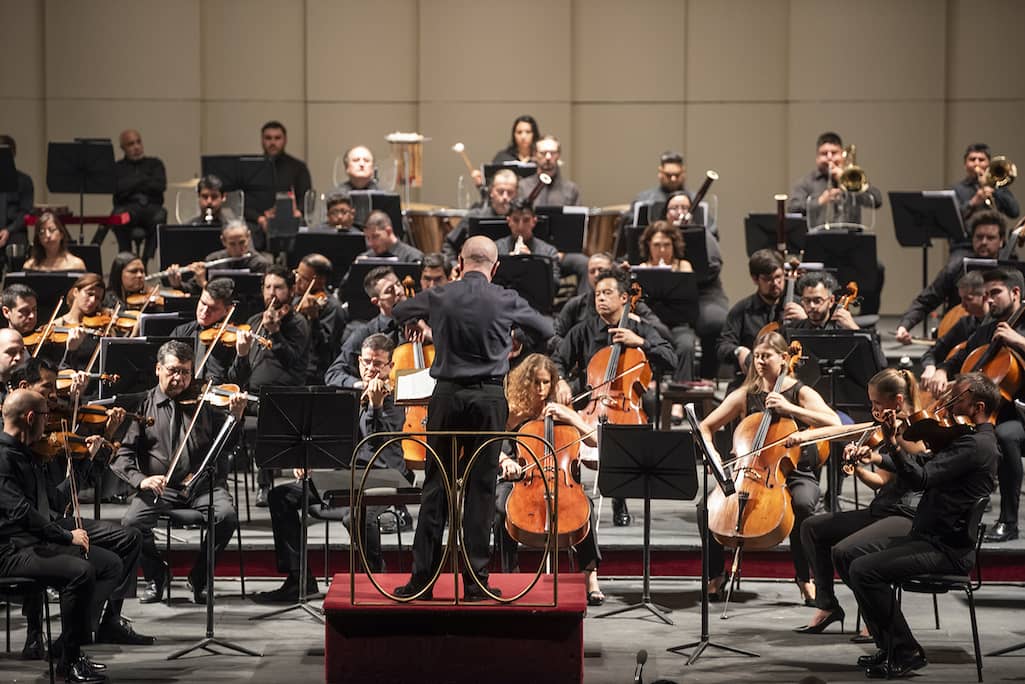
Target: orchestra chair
(935, 583)
(188, 517)
(24, 586)
(338, 500)
(681, 393)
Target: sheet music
(414, 386)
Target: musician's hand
(154, 483)
(309, 307)
(272, 320)
(1009, 336)
(903, 336)
(243, 342)
(198, 269)
(237, 404)
(298, 473)
(560, 412)
(858, 454)
(517, 347)
(844, 320)
(927, 374)
(777, 403)
(115, 417)
(523, 249)
(478, 179)
(76, 336)
(937, 383)
(78, 383)
(794, 312)
(627, 337)
(79, 537)
(95, 443)
(5, 235)
(794, 439)
(174, 275)
(414, 333)
(563, 392)
(377, 389)
(511, 469)
(743, 353)
(264, 220)
(829, 195)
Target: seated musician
(973, 299)
(524, 136)
(796, 401)
(749, 315)
(972, 196)
(12, 352)
(322, 310)
(562, 192)
(14, 206)
(435, 269)
(988, 233)
(1003, 288)
(33, 545)
(237, 241)
(383, 242)
(20, 308)
(521, 239)
(816, 308)
(359, 167)
(672, 178)
(107, 624)
(833, 535)
(147, 454)
(291, 175)
(952, 479)
(49, 250)
(127, 277)
(500, 195)
(224, 363)
(385, 291)
(586, 339)
(378, 413)
(531, 395)
(821, 187)
(86, 320)
(712, 302)
(139, 185)
(341, 216)
(212, 211)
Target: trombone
(1000, 173)
(853, 178)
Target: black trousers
(712, 309)
(478, 406)
(870, 572)
(1010, 436)
(147, 218)
(143, 514)
(838, 535)
(683, 344)
(84, 584)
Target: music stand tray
(251, 173)
(248, 290)
(493, 228)
(50, 287)
(853, 255)
(636, 461)
(360, 308)
(182, 244)
(132, 358)
(760, 232)
(672, 295)
(531, 276)
(340, 248)
(920, 216)
(567, 228)
(366, 201)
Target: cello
(417, 356)
(999, 363)
(760, 516)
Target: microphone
(642, 657)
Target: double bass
(760, 515)
(415, 356)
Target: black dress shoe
(198, 589)
(1002, 532)
(898, 668)
(287, 592)
(405, 519)
(154, 591)
(471, 592)
(34, 648)
(81, 671)
(877, 658)
(620, 515)
(413, 587)
(261, 497)
(120, 631)
(835, 615)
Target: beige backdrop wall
(741, 86)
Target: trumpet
(853, 178)
(1000, 173)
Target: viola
(999, 363)
(66, 376)
(153, 300)
(936, 427)
(58, 334)
(412, 355)
(230, 335)
(760, 516)
(68, 443)
(530, 507)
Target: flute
(206, 264)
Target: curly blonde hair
(519, 385)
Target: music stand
(248, 289)
(531, 276)
(706, 455)
(521, 169)
(208, 469)
(303, 429)
(179, 244)
(134, 360)
(8, 173)
(340, 248)
(920, 216)
(853, 255)
(253, 174)
(85, 166)
(838, 365)
(567, 227)
(160, 324)
(366, 201)
(90, 254)
(636, 461)
(360, 308)
(760, 232)
(672, 295)
(50, 287)
(695, 249)
(498, 228)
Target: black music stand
(340, 248)
(248, 289)
(920, 216)
(672, 295)
(161, 324)
(760, 232)
(566, 229)
(366, 201)
(283, 226)
(521, 169)
(180, 244)
(134, 360)
(8, 173)
(707, 456)
(838, 365)
(531, 276)
(90, 254)
(50, 287)
(360, 308)
(83, 167)
(853, 255)
(208, 470)
(498, 228)
(253, 174)
(303, 429)
(636, 461)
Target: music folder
(760, 232)
(413, 386)
(672, 295)
(919, 216)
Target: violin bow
(302, 300)
(76, 508)
(188, 432)
(217, 337)
(106, 332)
(586, 393)
(48, 329)
(850, 431)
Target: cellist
(1002, 288)
(588, 338)
(807, 408)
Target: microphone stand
(208, 469)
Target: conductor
(472, 322)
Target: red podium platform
(436, 641)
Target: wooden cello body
(999, 363)
(417, 356)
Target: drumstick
(460, 149)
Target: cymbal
(191, 183)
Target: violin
(58, 334)
(412, 355)
(554, 479)
(97, 320)
(216, 395)
(228, 335)
(63, 442)
(760, 516)
(619, 398)
(98, 414)
(937, 427)
(66, 377)
(154, 300)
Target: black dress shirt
(471, 322)
(560, 193)
(400, 250)
(285, 362)
(14, 206)
(344, 371)
(1004, 200)
(141, 182)
(942, 290)
(743, 322)
(23, 522)
(962, 330)
(586, 339)
(816, 182)
(536, 246)
(325, 338)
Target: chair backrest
(977, 529)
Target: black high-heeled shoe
(717, 595)
(835, 615)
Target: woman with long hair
(662, 245)
(49, 250)
(127, 277)
(85, 299)
(522, 141)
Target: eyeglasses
(341, 210)
(813, 301)
(176, 371)
(374, 363)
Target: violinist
(49, 250)
(951, 481)
(796, 401)
(378, 413)
(148, 451)
(834, 535)
(86, 320)
(111, 628)
(33, 545)
(225, 363)
(531, 395)
(20, 308)
(588, 338)
(748, 316)
(973, 299)
(12, 352)
(323, 311)
(1003, 288)
(127, 277)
